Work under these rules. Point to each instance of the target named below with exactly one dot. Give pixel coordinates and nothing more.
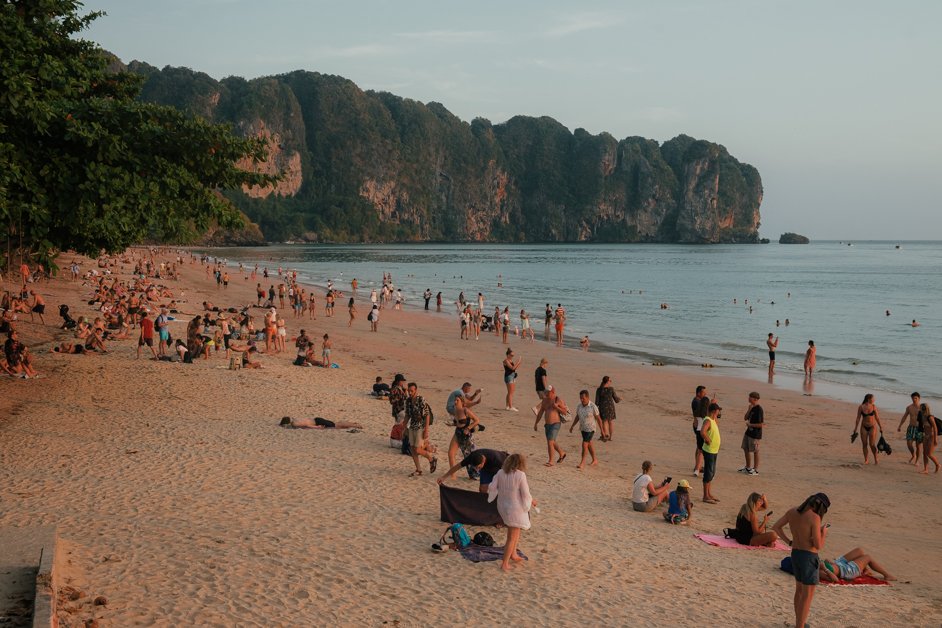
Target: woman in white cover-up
(512, 493)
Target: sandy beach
(179, 498)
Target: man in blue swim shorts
(809, 533)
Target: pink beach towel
(721, 541)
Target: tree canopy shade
(84, 165)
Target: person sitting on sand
(853, 564)
(96, 341)
(318, 423)
(380, 388)
(645, 497)
(247, 362)
(749, 531)
(679, 505)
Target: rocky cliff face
(367, 166)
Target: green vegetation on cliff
(371, 166)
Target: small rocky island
(793, 238)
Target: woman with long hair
(868, 418)
(749, 530)
(512, 492)
(510, 378)
(930, 437)
(605, 399)
(352, 308)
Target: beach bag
(884, 446)
(786, 565)
(459, 535)
(396, 434)
(484, 539)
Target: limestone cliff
(371, 166)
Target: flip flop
(711, 501)
(548, 464)
(415, 473)
(561, 458)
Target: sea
(682, 305)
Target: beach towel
(467, 507)
(720, 541)
(480, 553)
(860, 581)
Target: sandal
(415, 473)
(433, 465)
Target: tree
(84, 165)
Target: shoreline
(180, 500)
(634, 356)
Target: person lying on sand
(318, 423)
(854, 563)
(68, 347)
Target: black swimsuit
(866, 427)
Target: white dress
(513, 498)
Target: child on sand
(679, 504)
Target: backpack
(484, 539)
(459, 535)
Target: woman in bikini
(352, 308)
(868, 418)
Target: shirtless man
(808, 536)
(39, 306)
(773, 345)
(913, 435)
(550, 407)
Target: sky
(837, 103)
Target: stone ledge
(47, 582)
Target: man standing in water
(808, 535)
(548, 319)
(773, 345)
(427, 295)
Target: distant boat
(898, 246)
(850, 244)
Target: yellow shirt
(713, 433)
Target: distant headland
(370, 166)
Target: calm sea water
(838, 297)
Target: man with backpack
(418, 419)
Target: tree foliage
(86, 165)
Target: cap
(683, 484)
(399, 378)
(549, 388)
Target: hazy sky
(837, 103)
